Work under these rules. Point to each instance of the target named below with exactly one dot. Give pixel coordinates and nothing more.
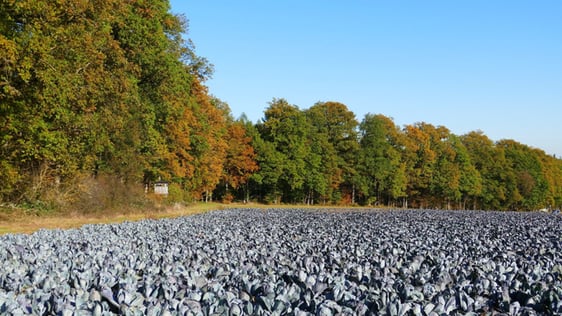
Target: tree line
(324, 155)
(99, 98)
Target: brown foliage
(240, 161)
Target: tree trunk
(247, 193)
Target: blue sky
(494, 66)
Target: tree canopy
(110, 91)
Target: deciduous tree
(380, 166)
(334, 139)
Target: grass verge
(18, 222)
(15, 222)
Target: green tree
(552, 173)
(334, 140)
(528, 169)
(285, 128)
(470, 182)
(270, 162)
(420, 161)
(380, 165)
(495, 171)
(64, 94)
(317, 180)
(105, 87)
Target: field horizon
(17, 222)
(14, 221)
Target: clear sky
(494, 66)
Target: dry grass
(29, 223)
(19, 222)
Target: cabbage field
(291, 262)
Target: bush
(106, 193)
(175, 193)
(227, 198)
